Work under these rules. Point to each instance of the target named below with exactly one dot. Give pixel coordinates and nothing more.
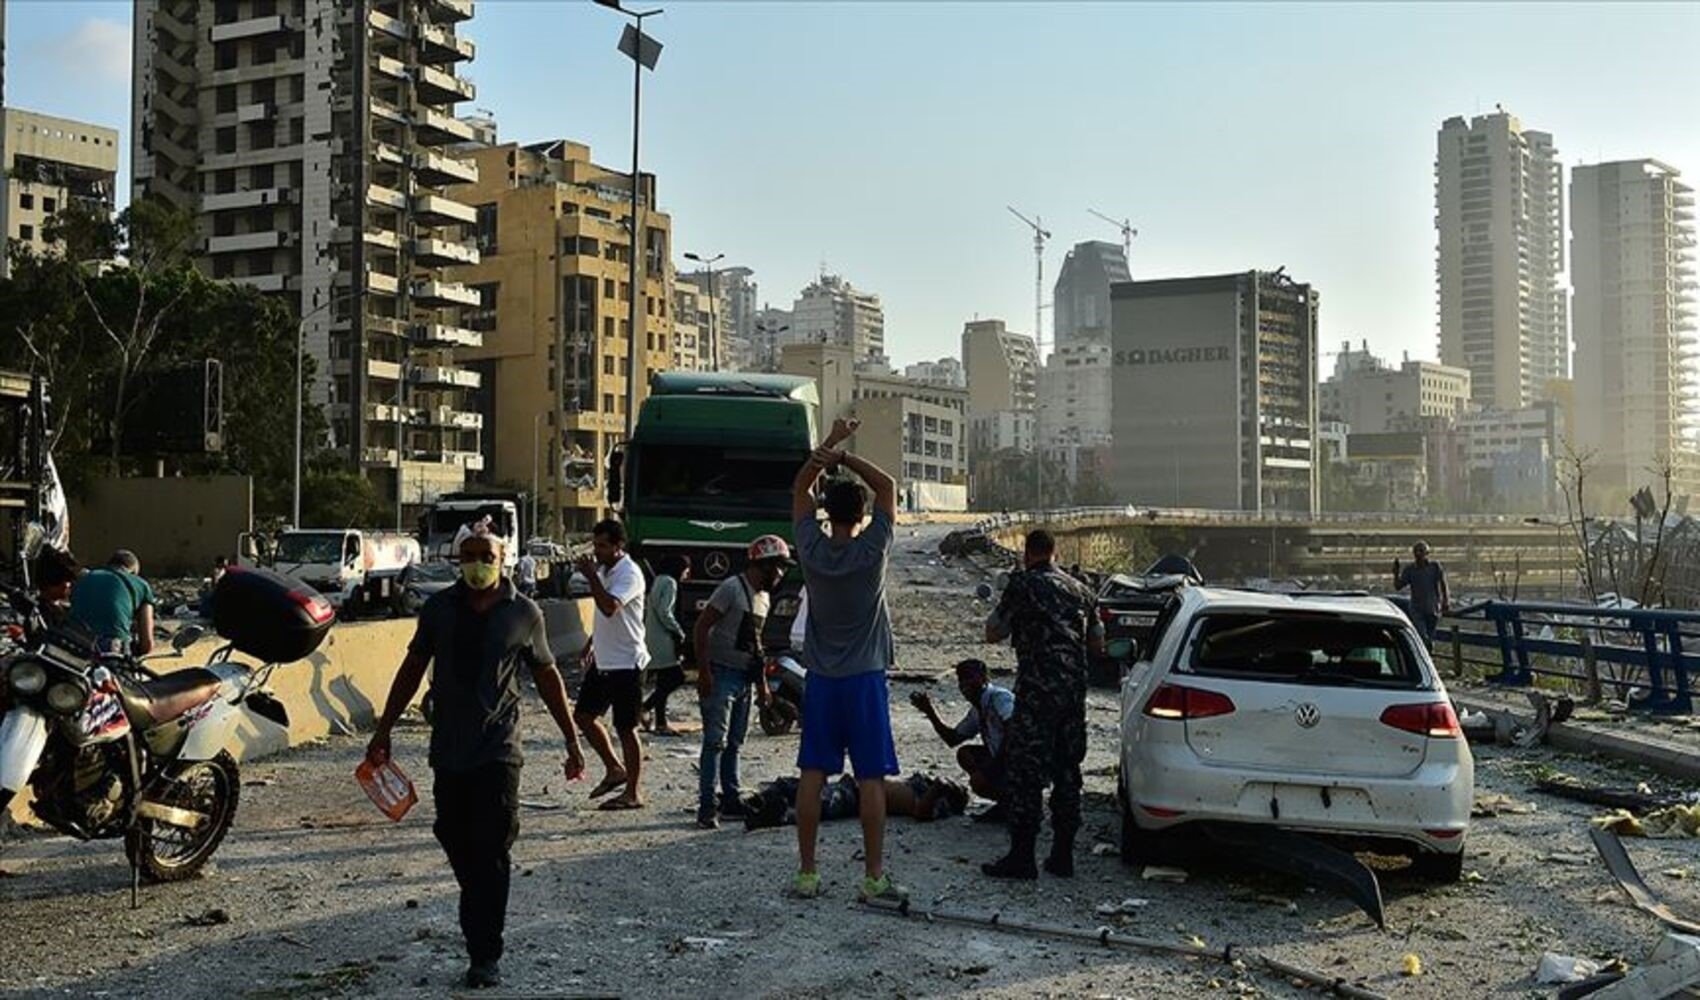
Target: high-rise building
(49, 164)
(735, 315)
(769, 332)
(1074, 396)
(1214, 392)
(1002, 368)
(944, 371)
(313, 140)
(1513, 457)
(831, 310)
(1499, 215)
(1082, 293)
(1382, 400)
(1632, 257)
(554, 281)
(691, 321)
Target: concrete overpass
(1484, 554)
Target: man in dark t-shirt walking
(1429, 596)
(478, 633)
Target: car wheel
(1139, 847)
(1432, 866)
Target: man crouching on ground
(478, 632)
(847, 649)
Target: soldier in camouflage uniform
(1052, 619)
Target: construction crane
(1128, 232)
(1040, 235)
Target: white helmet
(769, 547)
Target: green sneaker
(806, 885)
(882, 890)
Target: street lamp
(713, 307)
(300, 387)
(644, 52)
(536, 478)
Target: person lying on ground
(990, 707)
(923, 797)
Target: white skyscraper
(1632, 251)
(833, 311)
(1500, 220)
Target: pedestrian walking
(847, 649)
(474, 636)
(614, 662)
(730, 660)
(114, 605)
(1430, 597)
(1051, 618)
(525, 575)
(665, 638)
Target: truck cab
(708, 470)
(439, 525)
(352, 567)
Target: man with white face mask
(478, 633)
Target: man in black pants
(478, 632)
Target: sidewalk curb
(1659, 755)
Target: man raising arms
(847, 650)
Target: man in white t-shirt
(614, 663)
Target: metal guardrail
(1205, 515)
(1640, 649)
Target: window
(608, 326)
(607, 364)
(224, 55)
(226, 99)
(608, 289)
(261, 176)
(26, 232)
(26, 200)
(607, 402)
(224, 140)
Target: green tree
(341, 498)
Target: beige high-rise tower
(313, 140)
(1499, 216)
(1632, 248)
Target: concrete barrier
(341, 688)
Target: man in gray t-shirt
(730, 660)
(1429, 596)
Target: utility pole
(644, 52)
(1040, 235)
(713, 308)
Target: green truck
(708, 470)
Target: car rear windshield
(1302, 648)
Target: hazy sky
(884, 140)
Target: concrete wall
(341, 688)
(175, 526)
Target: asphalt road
(321, 896)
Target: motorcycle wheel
(167, 853)
(778, 718)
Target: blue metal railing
(1656, 648)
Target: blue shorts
(848, 715)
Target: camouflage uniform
(1049, 616)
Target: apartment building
(553, 276)
(693, 316)
(733, 293)
(1499, 217)
(1380, 400)
(48, 164)
(831, 310)
(1074, 396)
(1214, 392)
(1632, 256)
(915, 430)
(1002, 370)
(1513, 457)
(944, 371)
(314, 141)
(1082, 292)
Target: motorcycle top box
(269, 616)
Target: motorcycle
(110, 749)
(784, 677)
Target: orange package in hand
(388, 787)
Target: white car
(1314, 713)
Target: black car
(1131, 608)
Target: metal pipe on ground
(1107, 938)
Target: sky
(884, 141)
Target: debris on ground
(1411, 964)
(208, 918)
(1126, 907)
(1488, 806)
(1672, 969)
(1163, 873)
(1669, 823)
(1104, 850)
(1553, 970)
(1629, 880)
(1640, 799)
(697, 944)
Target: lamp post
(536, 479)
(300, 386)
(713, 307)
(644, 52)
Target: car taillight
(1172, 701)
(1433, 719)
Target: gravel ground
(323, 897)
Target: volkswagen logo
(1307, 715)
(718, 564)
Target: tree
(341, 498)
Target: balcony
(261, 111)
(435, 210)
(453, 419)
(443, 253)
(443, 335)
(435, 128)
(253, 27)
(445, 377)
(385, 111)
(386, 371)
(269, 239)
(435, 169)
(452, 10)
(388, 25)
(434, 86)
(383, 152)
(437, 294)
(439, 45)
(260, 282)
(377, 194)
(385, 457)
(391, 67)
(247, 199)
(381, 283)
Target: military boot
(1018, 863)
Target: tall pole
(536, 477)
(400, 438)
(301, 388)
(713, 318)
(634, 364)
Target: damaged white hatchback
(1319, 714)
